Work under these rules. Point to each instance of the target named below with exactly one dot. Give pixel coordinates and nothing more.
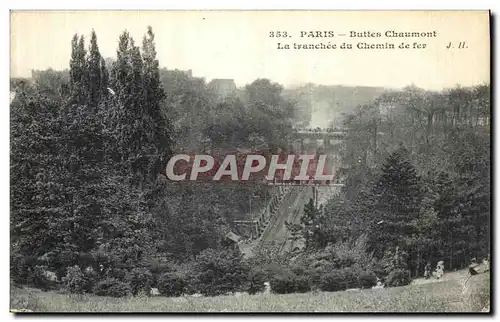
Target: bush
(302, 284)
(398, 277)
(273, 269)
(290, 283)
(157, 267)
(112, 287)
(350, 276)
(39, 278)
(21, 268)
(315, 277)
(140, 280)
(299, 269)
(91, 278)
(367, 279)
(332, 282)
(173, 284)
(256, 279)
(282, 284)
(220, 272)
(118, 273)
(75, 280)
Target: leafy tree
(52, 84)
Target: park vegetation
(90, 202)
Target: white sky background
(232, 44)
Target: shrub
(21, 268)
(378, 268)
(140, 280)
(118, 273)
(263, 256)
(112, 287)
(256, 279)
(75, 280)
(398, 277)
(39, 278)
(320, 264)
(282, 284)
(173, 284)
(302, 284)
(220, 272)
(332, 282)
(91, 278)
(350, 277)
(346, 278)
(157, 267)
(290, 283)
(367, 279)
(315, 277)
(274, 269)
(299, 269)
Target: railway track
(291, 209)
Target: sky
(236, 44)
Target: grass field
(445, 296)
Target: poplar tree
(119, 82)
(78, 71)
(154, 96)
(104, 78)
(94, 72)
(133, 128)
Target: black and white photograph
(244, 161)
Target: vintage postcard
(250, 161)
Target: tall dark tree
(125, 113)
(397, 195)
(94, 72)
(78, 70)
(104, 78)
(154, 96)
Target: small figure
(472, 271)
(379, 284)
(267, 288)
(472, 267)
(396, 257)
(439, 269)
(427, 271)
(486, 263)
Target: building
(188, 73)
(233, 241)
(223, 87)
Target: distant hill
(321, 105)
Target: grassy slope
(449, 296)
